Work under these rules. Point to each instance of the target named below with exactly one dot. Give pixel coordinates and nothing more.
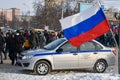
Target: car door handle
(75, 54)
(95, 53)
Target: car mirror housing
(59, 50)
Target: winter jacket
(2, 42)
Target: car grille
(26, 64)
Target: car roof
(88, 41)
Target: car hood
(36, 51)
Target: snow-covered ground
(9, 72)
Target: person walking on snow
(2, 43)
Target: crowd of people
(108, 39)
(13, 43)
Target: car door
(88, 54)
(67, 59)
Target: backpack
(27, 43)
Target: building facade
(10, 15)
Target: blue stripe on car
(82, 51)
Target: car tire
(100, 66)
(42, 68)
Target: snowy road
(9, 72)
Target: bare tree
(49, 12)
(3, 20)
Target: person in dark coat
(33, 39)
(47, 36)
(19, 42)
(12, 48)
(6, 48)
(2, 42)
(42, 39)
(117, 38)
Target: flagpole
(62, 12)
(117, 69)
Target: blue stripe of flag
(85, 25)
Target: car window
(67, 47)
(98, 47)
(54, 44)
(88, 46)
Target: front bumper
(27, 64)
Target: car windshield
(54, 44)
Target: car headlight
(27, 56)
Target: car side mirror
(59, 50)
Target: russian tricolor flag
(85, 26)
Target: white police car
(59, 55)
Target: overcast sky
(23, 5)
(26, 5)
(112, 3)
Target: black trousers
(1, 56)
(12, 56)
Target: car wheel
(100, 66)
(42, 68)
